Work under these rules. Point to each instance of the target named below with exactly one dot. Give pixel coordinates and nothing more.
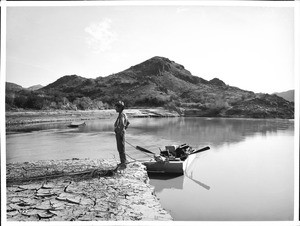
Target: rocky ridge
(287, 95)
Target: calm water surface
(246, 175)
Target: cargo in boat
(170, 161)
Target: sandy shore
(80, 190)
(26, 117)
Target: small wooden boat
(76, 124)
(169, 165)
(171, 160)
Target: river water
(248, 173)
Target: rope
(134, 160)
(129, 144)
(149, 155)
(136, 148)
(130, 157)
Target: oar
(200, 150)
(144, 150)
(141, 149)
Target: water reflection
(151, 133)
(196, 131)
(205, 131)
(188, 170)
(169, 181)
(162, 182)
(28, 128)
(198, 182)
(103, 125)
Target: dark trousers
(121, 146)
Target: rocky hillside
(162, 82)
(288, 95)
(156, 81)
(35, 87)
(262, 106)
(12, 87)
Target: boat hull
(171, 167)
(76, 124)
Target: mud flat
(26, 117)
(80, 190)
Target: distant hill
(35, 87)
(153, 82)
(288, 95)
(12, 87)
(160, 82)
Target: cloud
(101, 36)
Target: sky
(249, 47)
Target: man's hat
(120, 104)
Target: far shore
(27, 117)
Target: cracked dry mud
(123, 196)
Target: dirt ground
(81, 190)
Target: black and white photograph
(149, 112)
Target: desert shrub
(46, 104)
(8, 107)
(151, 101)
(221, 103)
(65, 101)
(20, 101)
(172, 106)
(34, 102)
(99, 104)
(9, 100)
(83, 103)
(162, 89)
(192, 105)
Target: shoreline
(79, 194)
(30, 117)
(24, 117)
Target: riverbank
(27, 117)
(80, 190)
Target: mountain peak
(153, 66)
(157, 66)
(12, 87)
(35, 87)
(159, 58)
(164, 61)
(217, 82)
(67, 80)
(288, 95)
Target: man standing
(120, 126)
